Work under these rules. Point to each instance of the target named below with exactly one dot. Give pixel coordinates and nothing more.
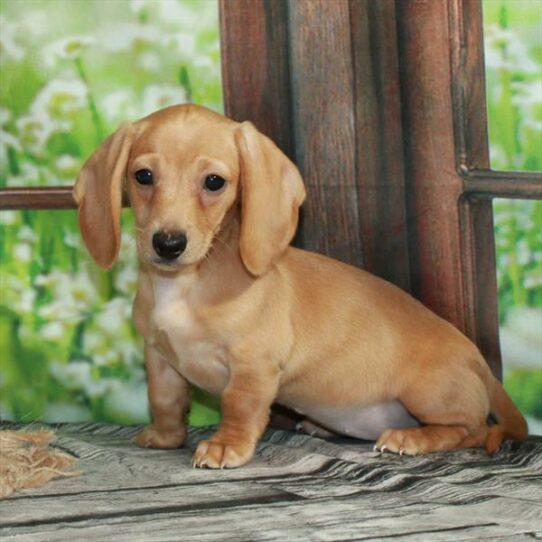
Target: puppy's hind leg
(454, 413)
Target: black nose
(169, 246)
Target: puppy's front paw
(215, 454)
(150, 437)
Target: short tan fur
(242, 314)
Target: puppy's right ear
(98, 192)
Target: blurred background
(513, 55)
(71, 72)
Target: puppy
(225, 303)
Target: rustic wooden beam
(379, 141)
(42, 198)
(503, 184)
(434, 185)
(321, 78)
(255, 66)
(450, 184)
(468, 84)
(324, 125)
(472, 152)
(54, 197)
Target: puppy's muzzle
(169, 245)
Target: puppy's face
(183, 180)
(184, 168)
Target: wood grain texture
(472, 152)
(37, 198)
(297, 488)
(379, 141)
(255, 66)
(450, 186)
(34, 198)
(468, 84)
(324, 125)
(479, 268)
(321, 78)
(433, 183)
(503, 184)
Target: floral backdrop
(72, 70)
(513, 54)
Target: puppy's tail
(511, 424)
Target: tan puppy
(224, 303)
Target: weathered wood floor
(298, 488)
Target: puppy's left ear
(98, 192)
(272, 191)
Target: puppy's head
(185, 169)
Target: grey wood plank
(109, 461)
(337, 519)
(297, 488)
(97, 505)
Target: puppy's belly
(364, 422)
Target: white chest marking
(170, 304)
(179, 336)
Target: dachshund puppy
(225, 303)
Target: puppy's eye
(213, 183)
(143, 176)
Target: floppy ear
(98, 192)
(272, 192)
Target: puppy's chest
(183, 341)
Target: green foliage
(525, 386)
(71, 72)
(513, 45)
(519, 254)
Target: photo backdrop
(72, 71)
